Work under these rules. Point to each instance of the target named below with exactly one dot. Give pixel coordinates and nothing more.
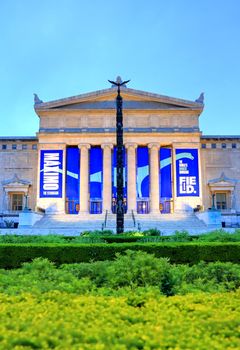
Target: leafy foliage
(64, 321)
(130, 272)
(152, 232)
(220, 236)
(13, 255)
(120, 304)
(97, 233)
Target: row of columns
(131, 175)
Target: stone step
(175, 221)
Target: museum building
(70, 166)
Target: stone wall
(19, 161)
(216, 161)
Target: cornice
(91, 96)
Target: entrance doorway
(72, 206)
(165, 205)
(143, 206)
(95, 206)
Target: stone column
(154, 178)
(84, 178)
(107, 176)
(5, 200)
(232, 200)
(131, 176)
(174, 177)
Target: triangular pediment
(105, 100)
(222, 181)
(15, 181)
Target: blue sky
(64, 48)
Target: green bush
(58, 320)
(220, 236)
(132, 234)
(97, 233)
(41, 276)
(152, 232)
(136, 272)
(12, 255)
(98, 236)
(139, 269)
(211, 277)
(180, 236)
(50, 238)
(152, 239)
(122, 238)
(96, 272)
(88, 239)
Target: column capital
(84, 145)
(131, 144)
(153, 145)
(107, 145)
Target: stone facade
(150, 120)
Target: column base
(83, 213)
(108, 210)
(155, 211)
(129, 212)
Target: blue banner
(114, 173)
(51, 167)
(96, 172)
(187, 172)
(72, 179)
(142, 172)
(165, 173)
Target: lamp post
(213, 202)
(25, 209)
(119, 139)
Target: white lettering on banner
(187, 184)
(183, 168)
(51, 172)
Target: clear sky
(178, 48)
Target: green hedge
(57, 320)
(12, 255)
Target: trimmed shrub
(51, 238)
(58, 320)
(139, 269)
(152, 232)
(180, 236)
(12, 255)
(97, 233)
(134, 271)
(220, 236)
(122, 238)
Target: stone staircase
(166, 223)
(66, 221)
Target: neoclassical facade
(70, 166)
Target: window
(4, 146)
(221, 201)
(14, 146)
(17, 201)
(24, 146)
(34, 146)
(214, 145)
(224, 145)
(204, 145)
(234, 145)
